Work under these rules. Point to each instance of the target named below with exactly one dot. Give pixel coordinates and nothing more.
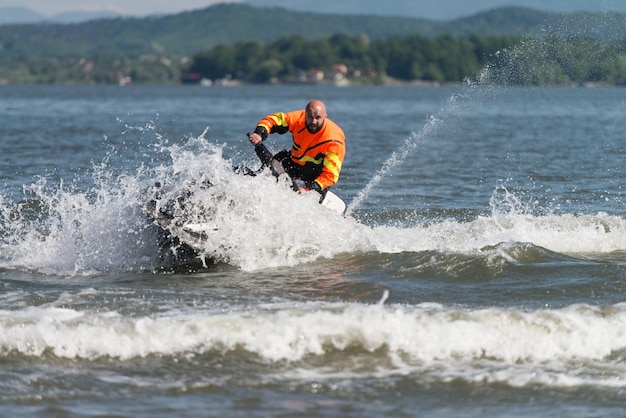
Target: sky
(432, 9)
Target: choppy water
(482, 271)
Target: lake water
(481, 270)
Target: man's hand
(255, 138)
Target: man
(318, 148)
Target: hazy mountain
(19, 15)
(77, 17)
(22, 15)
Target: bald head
(315, 115)
(318, 105)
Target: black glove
(261, 131)
(313, 185)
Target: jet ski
(183, 214)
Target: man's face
(315, 117)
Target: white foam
(568, 234)
(423, 335)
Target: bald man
(318, 148)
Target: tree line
(444, 59)
(512, 60)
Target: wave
(578, 344)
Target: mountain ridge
(190, 32)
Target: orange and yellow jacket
(320, 154)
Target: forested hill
(200, 30)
